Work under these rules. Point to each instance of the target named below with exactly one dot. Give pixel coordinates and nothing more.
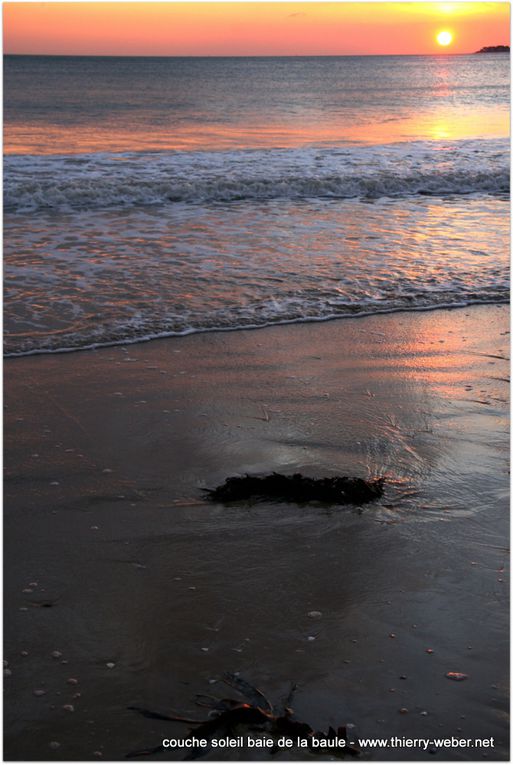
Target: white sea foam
(87, 279)
(97, 181)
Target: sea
(152, 197)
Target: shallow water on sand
(103, 277)
(153, 205)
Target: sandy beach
(113, 557)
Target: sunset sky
(257, 28)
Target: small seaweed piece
(244, 714)
(252, 694)
(339, 490)
(214, 704)
(286, 702)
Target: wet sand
(113, 557)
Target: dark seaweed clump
(234, 717)
(339, 490)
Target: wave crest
(96, 181)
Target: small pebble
(429, 650)
(72, 681)
(56, 654)
(54, 483)
(107, 470)
(392, 635)
(403, 677)
(314, 614)
(403, 711)
(68, 707)
(6, 663)
(7, 673)
(98, 754)
(456, 675)
(23, 608)
(311, 637)
(24, 653)
(39, 692)
(205, 650)
(77, 695)
(54, 745)
(110, 665)
(424, 714)
(32, 584)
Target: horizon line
(240, 55)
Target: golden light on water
(444, 38)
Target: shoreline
(113, 556)
(251, 327)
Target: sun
(444, 38)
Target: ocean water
(146, 197)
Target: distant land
(494, 49)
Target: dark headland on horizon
(494, 49)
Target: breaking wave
(97, 181)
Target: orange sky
(254, 28)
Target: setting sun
(444, 38)
(252, 28)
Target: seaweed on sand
(339, 490)
(234, 717)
